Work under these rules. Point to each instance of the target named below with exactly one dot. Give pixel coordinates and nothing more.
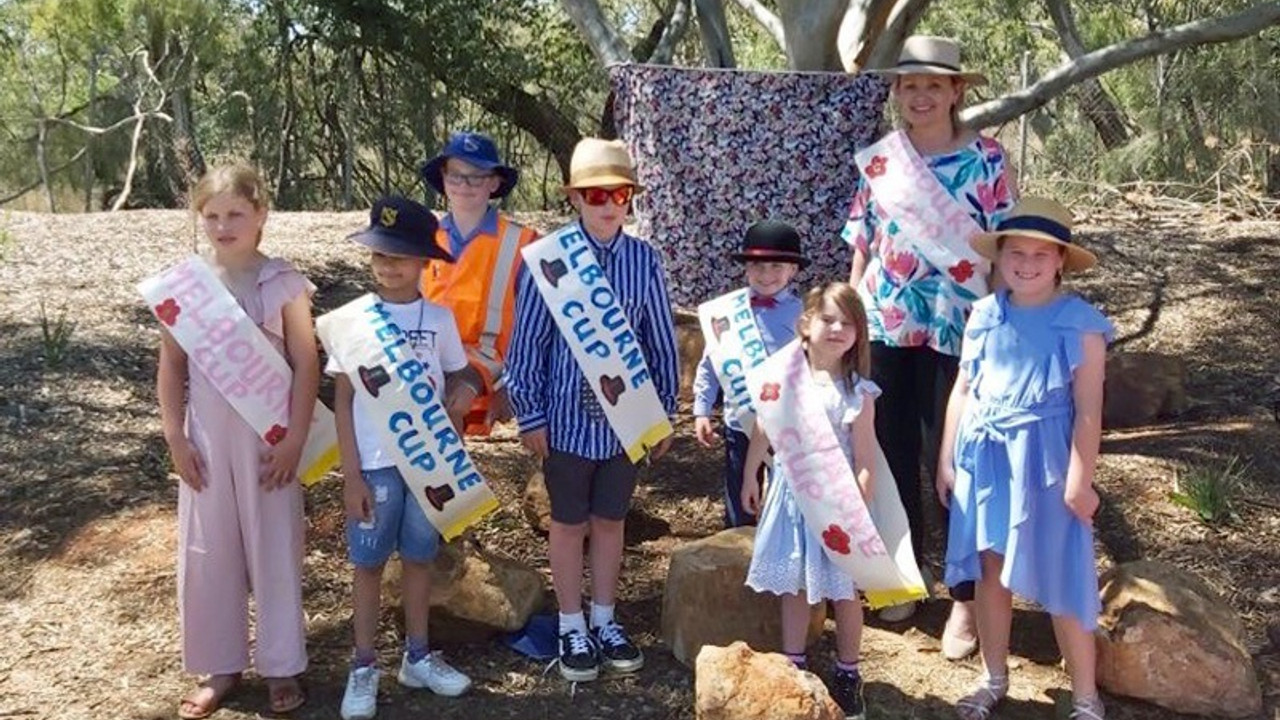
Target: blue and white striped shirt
(546, 386)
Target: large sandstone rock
(706, 602)
(474, 594)
(735, 683)
(1143, 387)
(690, 343)
(1167, 638)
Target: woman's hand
(187, 461)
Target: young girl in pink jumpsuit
(240, 510)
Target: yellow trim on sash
(321, 467)
(476, 515)
(883, 598)
(651, 437)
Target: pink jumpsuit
(233, 536)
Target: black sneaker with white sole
(579, 660)
(846, 690)
(617, 652)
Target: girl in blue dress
(788, 559)
(1019, 449)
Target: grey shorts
(581, 488)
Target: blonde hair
(857, 360)
(239, 178)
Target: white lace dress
(788, 557)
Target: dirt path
(88, 623)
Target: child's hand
(706, 434)
(945, 483)
(750, 496)
(500, 409)
(281, 461)
(535, 441)
(187, 461)
(1083, 501)
(661, 448)
(357, 499)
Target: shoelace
(579, 643)
(613, 635)
(364, 681)
(438, 666)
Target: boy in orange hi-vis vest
(479, 287)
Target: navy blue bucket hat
(399, 226)
(475, 149)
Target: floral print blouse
(911, 303)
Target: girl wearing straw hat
(923, 191)
(1019, 448)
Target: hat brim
(771, 256)
(1077, 259)
(376, 238)
(603, 181)
(971, 78)
(433, 172)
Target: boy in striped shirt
(588, 475)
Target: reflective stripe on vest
(508, 252)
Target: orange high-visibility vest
(480, 289)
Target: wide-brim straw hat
(601, 163)
(1042, 219)
(930, 55)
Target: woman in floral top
(918, 201)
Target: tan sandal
(220, 685)
(284, 695)
(979, 704)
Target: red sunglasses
(600, 196)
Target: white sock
(573, 621)
(601, 615)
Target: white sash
(871, 544)
(734, 345)
(931, 220)
(224, 343)
(596, 328)
(410, 412)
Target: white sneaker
(360, 701)
(434, 673)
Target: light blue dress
(788, 557)
(1012, 450)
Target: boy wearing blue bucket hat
(479, 286)
(382, 515)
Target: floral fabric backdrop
(717, 150)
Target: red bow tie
(764, 302)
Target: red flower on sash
(770, 392)
(168, 311)
(876, 167)
(961, 271)
(836, 538)
(275, 434)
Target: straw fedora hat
(1042, 219)
(929, 55)
(600, 163)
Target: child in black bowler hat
(382, 516)
(771, 256)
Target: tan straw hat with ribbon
(1042, 219)
(600, 163)
(929, 55)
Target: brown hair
(239, 177)
(845, 298)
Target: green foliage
(55, 336)
(1210, 490)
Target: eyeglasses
(600, 196)
(457, 178)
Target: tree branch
(94, 130)
(761, 14)
(37, 183)
(673, 33)
(1199, 32)
(882, 50)
(603, 39)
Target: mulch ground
(88, 620)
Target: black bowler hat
(475, 149)
(402, 227)
(772, 241)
